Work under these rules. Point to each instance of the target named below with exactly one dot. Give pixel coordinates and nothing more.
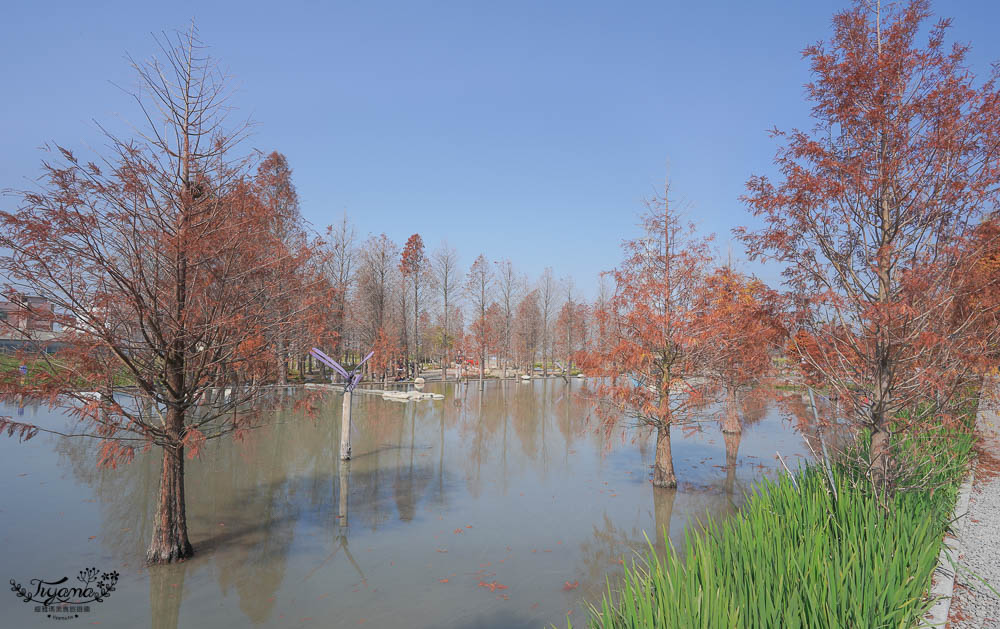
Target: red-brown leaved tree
(655, 343)
(741, 319)
(872, 211)
(164, 271)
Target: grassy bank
(802, 555)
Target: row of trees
(177, 269)
(184, 282)
(885, 217)
(424, 308)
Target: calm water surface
(443, 500)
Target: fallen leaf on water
(468, 526)
(492, 585)
(571, 586)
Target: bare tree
(446, 276)
(509, 288)
(548, 300)
(479, 289)
(341, 246)
(376, 282)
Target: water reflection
(509, 486)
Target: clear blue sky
(529, 130)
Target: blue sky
(528, 130)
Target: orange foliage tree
(479, 289)
(873, 212)
(165, 275)
(741, 317)
(654, 341)
(413, 265)
(386, 354)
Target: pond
(502, 509)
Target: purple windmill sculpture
(351, 379)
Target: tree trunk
(732, 457)
(170, 536)
(345, 428)
(880, 457)
(282, 361)
(731, 419)
(482, 370)
(663, 469)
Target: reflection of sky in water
(513, 487)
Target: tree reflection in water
(278, 518)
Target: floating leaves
(492, 585)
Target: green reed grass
(800, 555)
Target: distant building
(25, 312)
(26, 323)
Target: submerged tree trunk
(731, 419)
(170, 536)
(732, 457)
(663, 468)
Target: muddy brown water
(503, 509)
